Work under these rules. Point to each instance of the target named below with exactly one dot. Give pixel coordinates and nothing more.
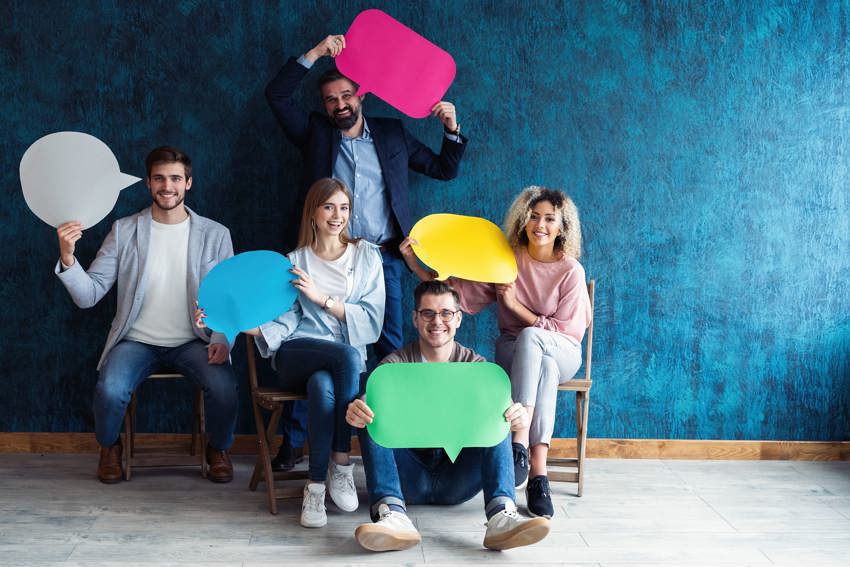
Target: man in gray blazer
(158, 257)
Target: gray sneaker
(392, 532)
(507, 529)
(313, 513)
(341, 486)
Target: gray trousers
(537, 361)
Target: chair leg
(129, 436)
(199, 431)
(263, 466)
(581, 439)
(193, 448)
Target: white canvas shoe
(392, 532)
(508, 529)
(341, 486)
(313, 513)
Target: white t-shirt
(164, 318)
(332, 277)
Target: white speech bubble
(71, 176)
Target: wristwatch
(455, 132)
(329, 303)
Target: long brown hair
(317, 195)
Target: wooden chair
(270, 399)
(581, 387)
(166, 455)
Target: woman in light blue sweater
(319, 345)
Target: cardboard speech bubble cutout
(71, 176)
(246, 291)
(400, 66)
(439, 404)
(470, 248)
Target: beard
(174, 206)
(346, 122)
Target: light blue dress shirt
(357, 166)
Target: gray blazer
(123, 256)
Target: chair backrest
(588, 354)
(252, 362)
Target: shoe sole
(533, 515)
(110, 480)
(309, 525)
(522, 485)
(220, 479)
(287, 467)
(374, 538)
(356, 505)
(528, 533)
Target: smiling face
(168, 185)
(543, 226)
(437, 332)
(342, 103)
(331, 216)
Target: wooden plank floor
(634, 512)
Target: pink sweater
(556, 292)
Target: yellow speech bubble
(470, 248)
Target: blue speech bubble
(246, 291)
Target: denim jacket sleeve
(275, 332)
(364, 317)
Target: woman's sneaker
(520, 465)
(341, 486)
(313, 513)
(538, 498)
(507, 529)
(392, 532)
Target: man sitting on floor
(396, 477)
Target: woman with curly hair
(542, 317)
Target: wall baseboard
(596, 448)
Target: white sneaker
(392, 532)
(313, 506)
(341, 486)
(508, 529)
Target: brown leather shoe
(221, 468)
(109, 466)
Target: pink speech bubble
(397, 64)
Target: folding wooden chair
(161, 455)
(581, 387)
(270, 399)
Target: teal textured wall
(705, 145)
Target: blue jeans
(130, 362)
(293, 421)
(330, 373)
(392, 334)
(416, 476)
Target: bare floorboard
(634, 512)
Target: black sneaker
(287, 457)
(520, 465)
(538, 498)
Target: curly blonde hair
(568, 240)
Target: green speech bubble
(439, 404)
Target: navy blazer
(318, 140)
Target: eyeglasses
(429, 314)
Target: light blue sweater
(364, 309)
